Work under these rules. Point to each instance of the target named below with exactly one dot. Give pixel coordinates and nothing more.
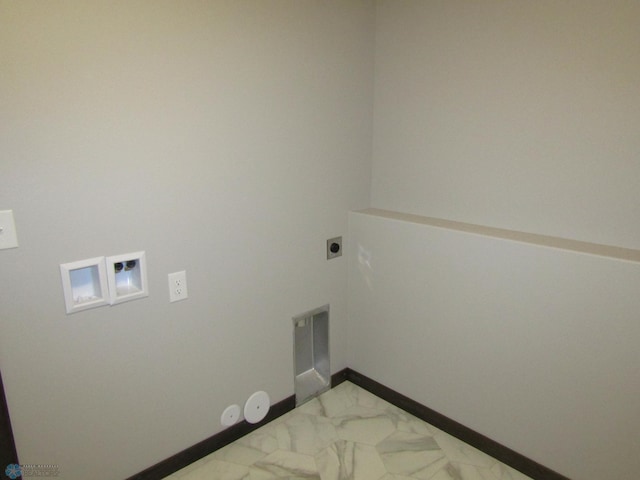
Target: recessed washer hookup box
(311, 354)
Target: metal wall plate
(311, 354)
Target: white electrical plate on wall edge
(127, 277)
(84, 284)
(8, 237)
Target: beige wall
(522, 115)
(227, 138)
(535, 347)
(230, 138)
(510, 113)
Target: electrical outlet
(334, 248)
(178, 286)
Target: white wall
(524, 116)
(230, 138)
(513, 114)
(227, 138)
(532, 346)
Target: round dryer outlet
(256, 407)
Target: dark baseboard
(211, 444)
(8, 454)
(473, 438)
(205, 447)
(339, 377)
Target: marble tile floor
(347, 434)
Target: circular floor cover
(230, 415)
(256, 407)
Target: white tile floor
(348, 434)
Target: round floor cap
(230, 415)
(256, 407)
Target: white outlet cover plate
(178, 286)
(230, 415)
(257, 407)
(8, 236)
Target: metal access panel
(311, 354)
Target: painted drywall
(229, 138)
(532, 346)
(521, 116)
(225, 138)
(512, 114)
